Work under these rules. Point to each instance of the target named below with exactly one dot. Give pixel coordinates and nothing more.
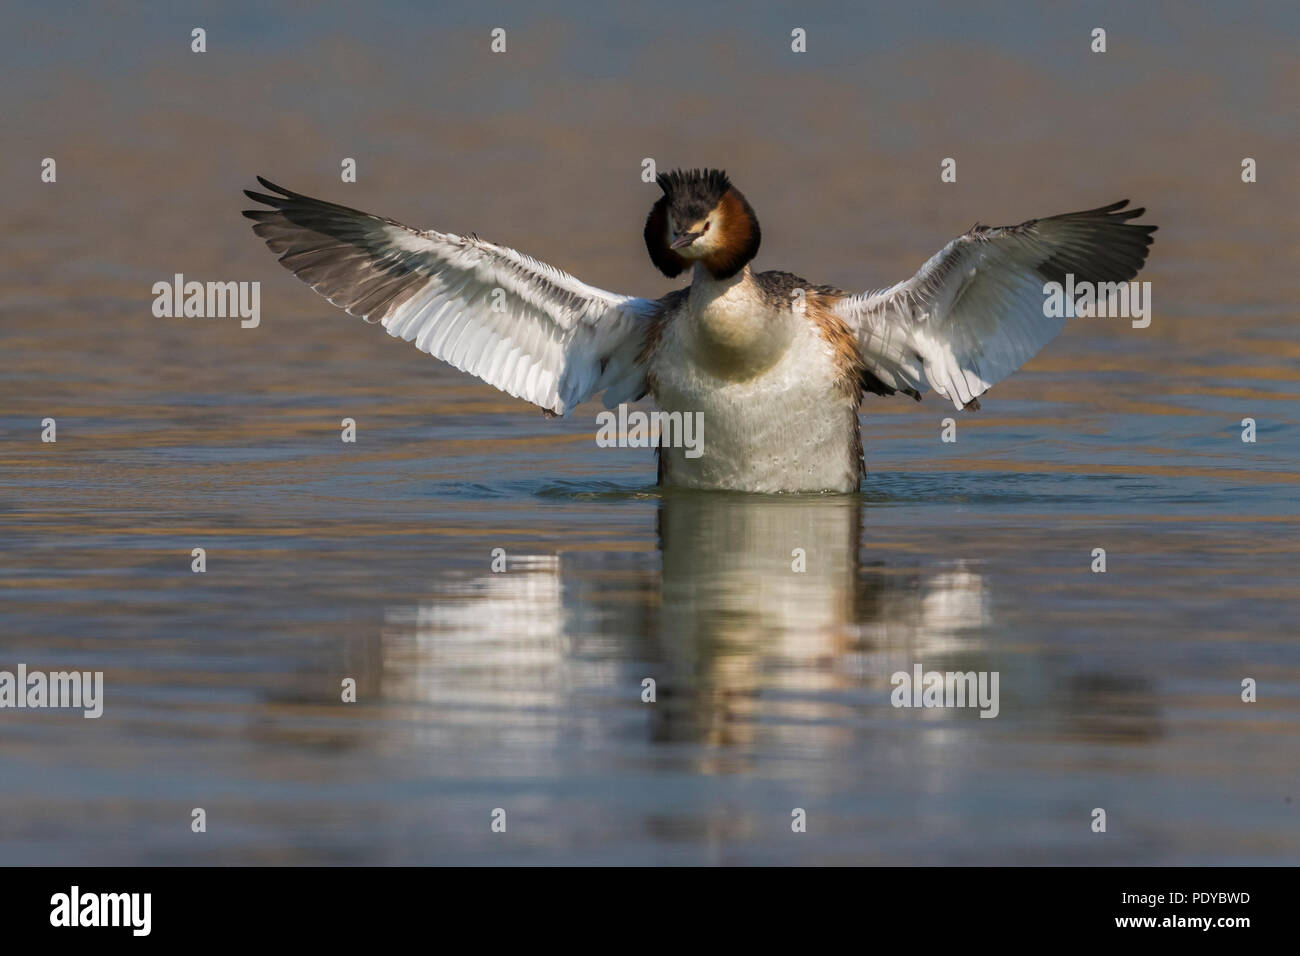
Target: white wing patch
(974, 313)
(518, 324)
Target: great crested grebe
(775, 365)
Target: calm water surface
(522, 690)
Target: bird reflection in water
(761, 614)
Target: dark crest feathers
(690, 195)
(694, 185)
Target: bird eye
(706, 227)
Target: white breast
(764, 380)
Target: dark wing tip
(1096, 245)
(274, 188)
(263, 198)
(1108, 208)
(1109, 211)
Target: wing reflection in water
(761, 614)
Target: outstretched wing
(520, 325)
(975, 312)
